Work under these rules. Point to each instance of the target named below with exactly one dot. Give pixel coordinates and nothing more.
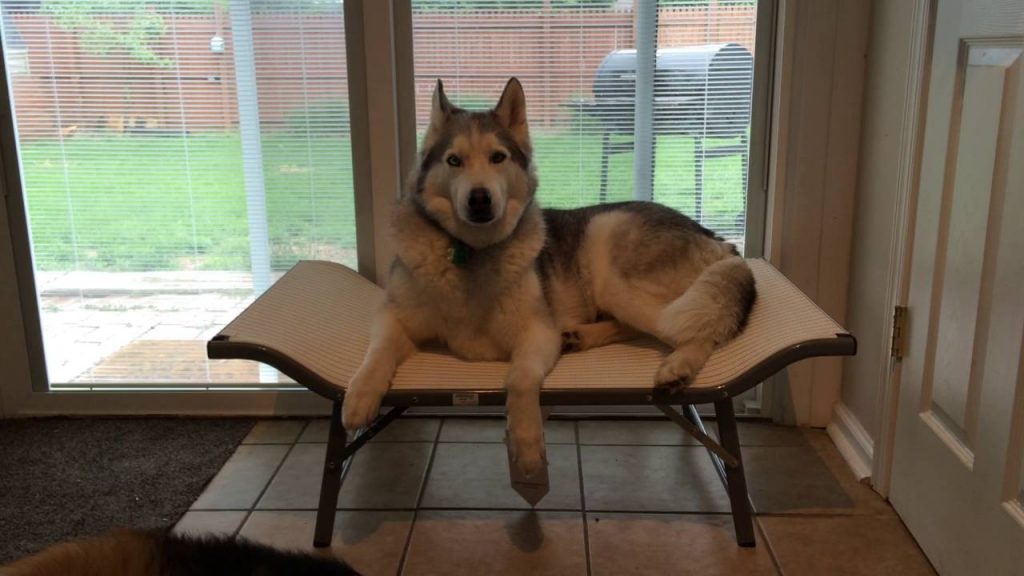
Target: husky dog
(480, 267)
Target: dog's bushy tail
(712, 311)
(714, 308)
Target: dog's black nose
(479, 198)
(480, 206)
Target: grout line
(440, 509)
(502, 442)
(636, 444)
(611, 444)
(782, 515)
(238, 529)
(848, 513)
(219, 510)
(419, 497)
(272, 442)
(583, 498)
(375, 442)
(559, 510)
(270, 480)
(657, 417)
(275, 443)
(658, 512)
(763, 536)
(640, 444)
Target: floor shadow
(525, 532)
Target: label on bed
(465, 399)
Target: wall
(884, 115)
(811, 194)
(864, 423)
(14, 375)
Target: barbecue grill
(702, 91)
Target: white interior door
(957, 467)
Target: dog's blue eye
(498, 157)
(454, 160)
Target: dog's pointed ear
(440, 109)
(511, 111)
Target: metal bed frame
(724, 452)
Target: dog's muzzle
(480, 207)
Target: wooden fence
(300, 65)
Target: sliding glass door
(626, 100)
(176, 156)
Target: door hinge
(899, 332)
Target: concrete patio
(109, 328)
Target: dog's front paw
(678, 370)
(528, 452)
(360, 407)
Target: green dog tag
(458, 254)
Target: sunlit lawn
(168, 203)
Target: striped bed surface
(318, 315)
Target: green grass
(723, 198)
(143, 203)
(171, 203)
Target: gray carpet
(66, 478)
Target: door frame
(897, 273)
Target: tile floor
(431, 496)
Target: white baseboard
(852, 440)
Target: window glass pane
(176, 156)
(577, 60)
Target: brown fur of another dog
(161, 553)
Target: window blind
(578, 62)
(176, 155)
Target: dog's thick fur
(536, 281)
(161, 553)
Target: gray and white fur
(536, 283)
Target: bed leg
(331, 482)
(742, 517)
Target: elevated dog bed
(313, 324)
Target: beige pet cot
(313, 325)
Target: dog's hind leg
(390, 345)
(711, 312)
(586, 336)
(533, 357)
